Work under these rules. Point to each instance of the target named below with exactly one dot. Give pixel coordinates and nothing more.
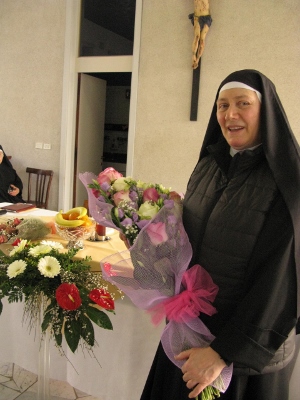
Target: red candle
(100, 229)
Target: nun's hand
(1, 156)
(202, 367)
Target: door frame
(74, 65)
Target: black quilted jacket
(241, 233)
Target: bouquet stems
(209, 393)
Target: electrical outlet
(38, 145)
(47, 146)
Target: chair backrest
(39, 182)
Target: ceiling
(115, 15)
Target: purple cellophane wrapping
(99, 210)
(155, 277)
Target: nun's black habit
(9, 176)
(242, 215)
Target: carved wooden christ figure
(201, 19)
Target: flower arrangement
(154, 271)
(9, 229)
(26, 228)
(62, 289)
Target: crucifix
(201, 20)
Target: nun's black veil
(5, 158)
(280, 146)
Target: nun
(242, 215)
(10, 183)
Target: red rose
(102, 298)
(68, 297)
(16, 242)
(150, 194)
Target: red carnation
(102, 298)
(68, 297)
(16, 242)
(17, 221)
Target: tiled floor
(17, 383)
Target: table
(124, 354)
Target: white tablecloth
(125, 354)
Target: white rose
(120, 184)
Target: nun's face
(238, 114)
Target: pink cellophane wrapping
(155, 277)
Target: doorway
(102, 126)
(125, 64)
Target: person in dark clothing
(242, 215)
(10, 184)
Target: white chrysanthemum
(54, 245)
(18, 248)
(40, 249)
(49, 266)
(15, 268)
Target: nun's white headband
(234, 84)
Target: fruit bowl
(75, 235)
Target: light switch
(39, 145)
(47, 146)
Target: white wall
(31, 52)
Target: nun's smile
(238, 114)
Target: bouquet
(122, 203)
(29, 229)
(60, 293)
(154, 271)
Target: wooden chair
(40, 179)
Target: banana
(81, 211)
(66, 222)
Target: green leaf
(99, 317)
(87, 330)
(58, 338)
(72, 334)
(46, 321)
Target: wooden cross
(195, 92)
(201, 20)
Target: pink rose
(150, 194)
(108, 175)
(120, 196)
(157, 233)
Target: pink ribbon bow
(199, 291)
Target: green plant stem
(209, 393)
